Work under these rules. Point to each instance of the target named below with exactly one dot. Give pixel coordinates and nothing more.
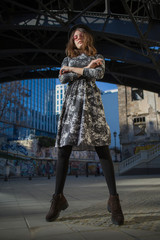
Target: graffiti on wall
(14, 147)
(83, 155)
(52, 154)
(30, 148)
(44, 161)
(25, 168)
(77, 168)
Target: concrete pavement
(24, 204)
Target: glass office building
(60, 90)
(37, 116)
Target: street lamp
(115, 135)
(120, 136)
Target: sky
(106, 86)
(101, 85)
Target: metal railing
(141, 157)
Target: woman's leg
(62, 167)
(59, 202)
(107, 167)
(113, 203)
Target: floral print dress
(82, 122)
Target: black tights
(105, 160)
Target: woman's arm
(95, 69)
(67, 69)
(66, 76)
(93, 64)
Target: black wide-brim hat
(85, 27)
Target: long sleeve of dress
(67, 77)
(98, 72)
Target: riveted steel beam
(143, 38)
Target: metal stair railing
(129, 163)
(154, 152)
(142, 156)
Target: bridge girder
(33, 36)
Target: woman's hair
(88, 47)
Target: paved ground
(24, 204)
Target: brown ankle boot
(58, 203)
(114, 207)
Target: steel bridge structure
(34, 33)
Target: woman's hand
(65, 69)
(95, 63)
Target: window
(139, 126)
(137, 94)
(139, 120)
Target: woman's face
(78, 39)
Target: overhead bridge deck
(33, 37)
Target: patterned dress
(82, 122)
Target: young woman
(82, 123)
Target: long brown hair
(89, 48)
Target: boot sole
(116, 223)
(65, 206)
(113, 221)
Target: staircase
(143, 156)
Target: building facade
(139, 118)
(37, 117)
